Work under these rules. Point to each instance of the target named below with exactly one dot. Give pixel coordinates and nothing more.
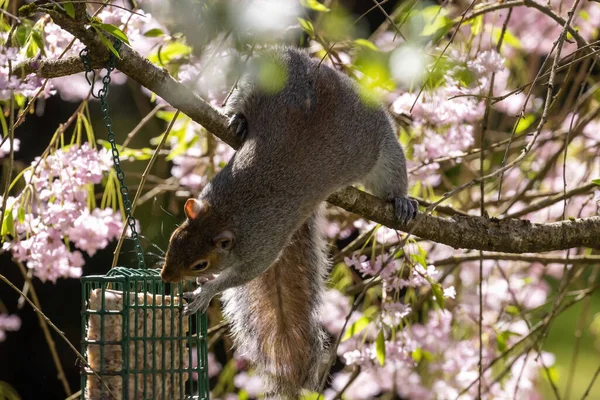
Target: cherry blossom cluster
(438, 358)
(54, 225)
(10, 84)
(443, 124)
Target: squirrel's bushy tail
(275, 317)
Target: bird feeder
(138, 344)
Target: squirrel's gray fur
(288, 349)
(311, 137)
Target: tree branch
(480, 233)
(54, 68)
(542, 259)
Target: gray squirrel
(253, 233)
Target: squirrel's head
(200, 248)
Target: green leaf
(551, 374)
(21, 214)
(477, 25)
(380, 348)
(8, 225)
(8, 392)
(165, 115)
(356, 328)
(509, 38)
(22, 34)
(419, 258)
(116, 32)
(525, 123)
(417, 354)
(501, 342)
(20, 100)
(108, 44)
(311, 396)
(104, 143)
(307, 26)
(314, 5)
(367, 44)
(512, 310)
(596, 181)
(36, 36)
(435, 20)
(154, 33)
(439, 25)
(170, 51)
(420, 354)
(438, 292)
(70, 9)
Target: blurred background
(25, 360)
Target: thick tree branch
(54, 68)
(480, 233)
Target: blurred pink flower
(252, 384)
(9, 323)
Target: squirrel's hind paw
(239, 122)
(405, 208)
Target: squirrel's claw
(198, 303)
(239, 122)
(189, 295)
(405, 208)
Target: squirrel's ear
(194, 208)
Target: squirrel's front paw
(199, 302)
(239, 122)
(405, 208)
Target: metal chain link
(90, 76)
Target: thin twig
(58, 331)
(142, 123)
(589, 388)
(333, 351)
(444, 50)
(482, 211)
(552, 200)
(11, 161)
(141, 185)
(538, 258)
(17, 19)
(582, 323)
(51, 345)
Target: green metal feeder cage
(137, 343)
(137, 340)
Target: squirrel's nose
(166, 276)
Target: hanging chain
(90, 76)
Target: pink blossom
(60, 214)
(450, 292)
(334, 310)
(398, 310)
(9, 323)
(93, 231)
(252, 384)
(5, 148)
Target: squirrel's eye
(225, 244)
(200, 265)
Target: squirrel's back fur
(274, 318)
(311, 137)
